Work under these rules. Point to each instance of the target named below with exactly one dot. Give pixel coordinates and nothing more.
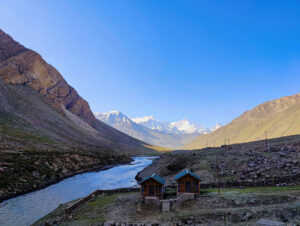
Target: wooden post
(217, 174)
(266, 138)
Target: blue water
(26, 209)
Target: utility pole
(217, 174)
(214, 143)
(225, 143)
(228, 141)
(266, 138)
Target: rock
(281, 165)
(242, 177)
(139, 209)
(109, 223)
(247, 216)
(251, 164)
(165, 205)
(268, 222)
(282, 154)
(237, 202)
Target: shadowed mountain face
(21, 66)
(276, 118)
(47, 130)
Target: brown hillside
(279, 117)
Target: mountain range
(272, 119)
(179, 127)
(164, 134)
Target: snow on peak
(113, 117)
(142, 119)
(183, 126)
(217, 126)
(179, 127)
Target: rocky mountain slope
(47, 130)
(276, 118)
(241, 163)
(21, 66)
(156, 137)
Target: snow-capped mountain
(148, 129)
(113, 117)
(178, 127)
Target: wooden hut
(187, 182)
(152, 186)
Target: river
(26, 209)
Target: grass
(94, 210)
(88, 214)
(10, 131)
(157, 148)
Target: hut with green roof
(187, 182)
(152, 186)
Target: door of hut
(187, 186)
(151, 190)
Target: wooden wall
(152, 188)
(188, 184)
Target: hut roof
(184, 173)
(154, 177)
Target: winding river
(26, 209)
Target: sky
(207, 61)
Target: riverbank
(46, 184)
(26, 209)
(233, 206)
(22, 173)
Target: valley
(177, 70)
(259, 185)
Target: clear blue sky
(208, 61)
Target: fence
(288, 179)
